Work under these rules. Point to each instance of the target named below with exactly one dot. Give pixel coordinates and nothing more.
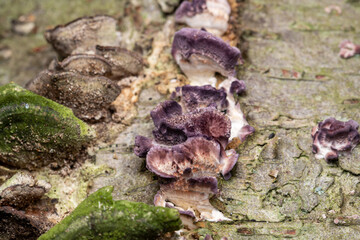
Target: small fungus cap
(331, 136)
(200, 54)
(82, 35)
(142, 146)
(348, 49)
(238, 87)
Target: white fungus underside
(200, 70)
(216, 25)
(193, 202)
(326, 149)
(214, 19)
(238, 121)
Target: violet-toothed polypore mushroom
(190, 170)
(213, 15)
(174, 128)
(193, 97)
(331, 136)
(200, 55)
(237, 87)
(196, 133)
(195, 158)
(348, 49)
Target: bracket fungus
(82, 35)
(21, 190)
(200, 55)
(36, 131)
(86, 80)
(18, 224)
(194, 97)
(100, 217)
(175, 127)
(348, 49)
(213, 15)
(237, 87)
(331, 136)
(124, 62)
(189, 171)
(195, 158)
(85, 64)
(90, 97)
(196, 134)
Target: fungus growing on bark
(331, 136)
(82, 35)
(193, 97)
(348, 49)
(85, 64)
(83, 80)
(213, 15)
(124, 62)
(89, 96)
(18, 224)
(200, 55)
(196, 134)
(21, 190)
(142, 146)
(197, 157)
(237, 87)
(36, 131)
(197, 97)
(173, 127)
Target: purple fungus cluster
(332, 136)
(212, 15)
(188, 150)
(192, 130)
(348, 49)
(200, 55)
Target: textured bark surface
(294, 79)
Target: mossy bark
(99, 217)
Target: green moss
(36, 131)
(99, 217)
